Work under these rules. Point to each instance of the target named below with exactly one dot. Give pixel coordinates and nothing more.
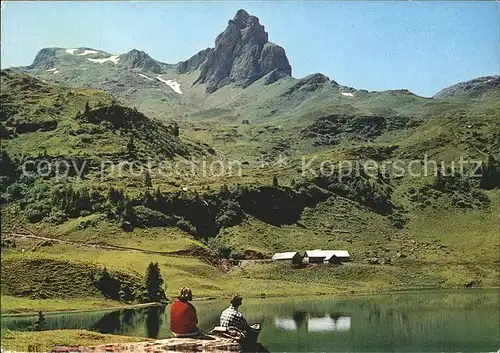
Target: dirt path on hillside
(188, 252)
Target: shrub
(16, 190)
(230, 214)
(146, 217)
(58, 217)
(86, 138)
(88, 223)
(186, 227)
(37, 211)
(108, 285)
(397, 220)
(220, 249)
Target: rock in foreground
(207, 344)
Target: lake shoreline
(71, 311)
(268, 296)
(445, 318)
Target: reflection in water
(123, 321)
(285, 324)
(314, 323)
(154, 321)
(109, 323)
(128, 316)
(374, 314)
(321, 324)
(299, 317)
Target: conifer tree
(154, 283)
(490, 176)
(159, 200)
(40, 322)
(147, 180)
(175, 129)
(148, 200)
(107, 284)
(128, 212)
(131, 145)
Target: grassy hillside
(39, 119)
(45, 340)
(403, 231)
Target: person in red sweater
(183, 318)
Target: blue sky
(420, 46)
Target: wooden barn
(327, 256)
(294, 257)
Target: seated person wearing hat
(232, 317)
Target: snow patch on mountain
(171, 83)
(491, 79)
(71, 51)
(87, 52)
(347, 94)
(53, 69)
(55, 72)
(112, 58)
(146, 77)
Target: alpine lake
(440, 321)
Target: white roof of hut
(284, 255)
(327, 254)
(338, 253)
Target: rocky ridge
(473, 87)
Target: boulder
(373, 261)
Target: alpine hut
(319, 256)
(338, 256)
(293, 256)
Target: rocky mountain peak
(242, 55)
(138, 59)
(241, 17)
(45, 58)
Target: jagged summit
(242, 55)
